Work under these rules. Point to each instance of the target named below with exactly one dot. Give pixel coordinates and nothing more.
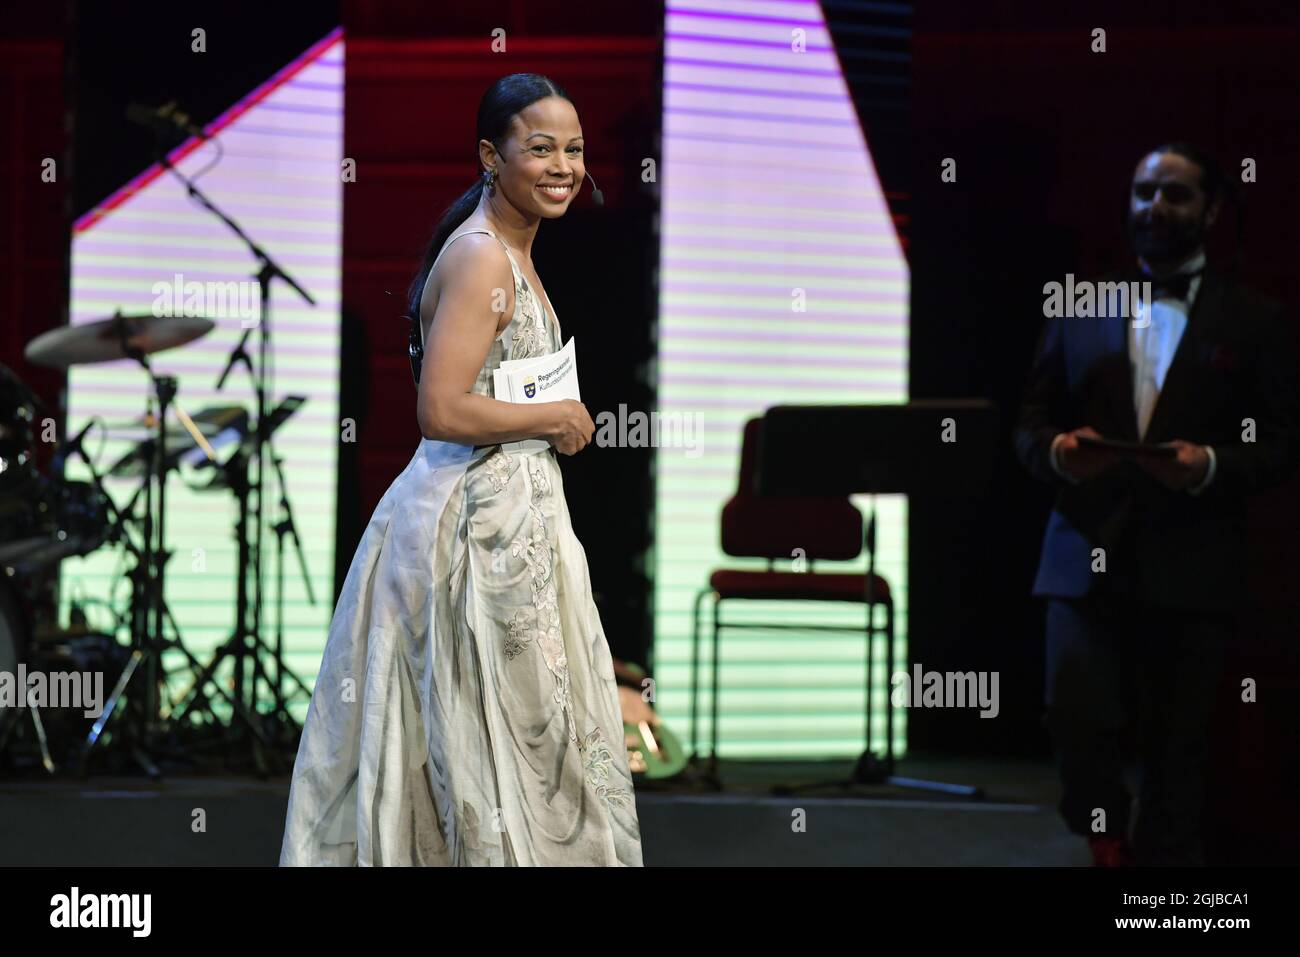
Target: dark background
(1045, 134)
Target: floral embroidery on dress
(500, 466)
(532, 339)
(541, 484)
(518, 634)
(598, 762)
(538, 555)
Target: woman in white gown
(466, 712)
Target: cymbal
(211, 422)
(102, 339)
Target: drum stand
(143, 722)
(243, 645)
(13, 719)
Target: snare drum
(56, 520)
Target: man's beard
(1168, 242)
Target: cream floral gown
(466, 712)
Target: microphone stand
(286, 526)
(249, 634)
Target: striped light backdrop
(280, 180)
(768, 190)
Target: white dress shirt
(1151, 349)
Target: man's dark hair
(1213, 183)
(1215, 186)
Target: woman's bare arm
(461, 330)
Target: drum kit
(242, 712)
(46, 518)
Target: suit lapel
(1178, 380)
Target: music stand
(926, 447)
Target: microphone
(238, 354)
(596, 194)
(166, 122)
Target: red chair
(756, 526)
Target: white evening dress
(466, 713)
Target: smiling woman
(530, 150)
(466, 711)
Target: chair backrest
(759, 526)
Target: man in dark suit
(1143, 560)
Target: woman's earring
(490, 179)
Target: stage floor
(102, 821)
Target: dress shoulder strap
(514, 266)
(416, 343)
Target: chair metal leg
(871, 666)
(872, 631)
(713, 724)
(695, 668)
(889, 704)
